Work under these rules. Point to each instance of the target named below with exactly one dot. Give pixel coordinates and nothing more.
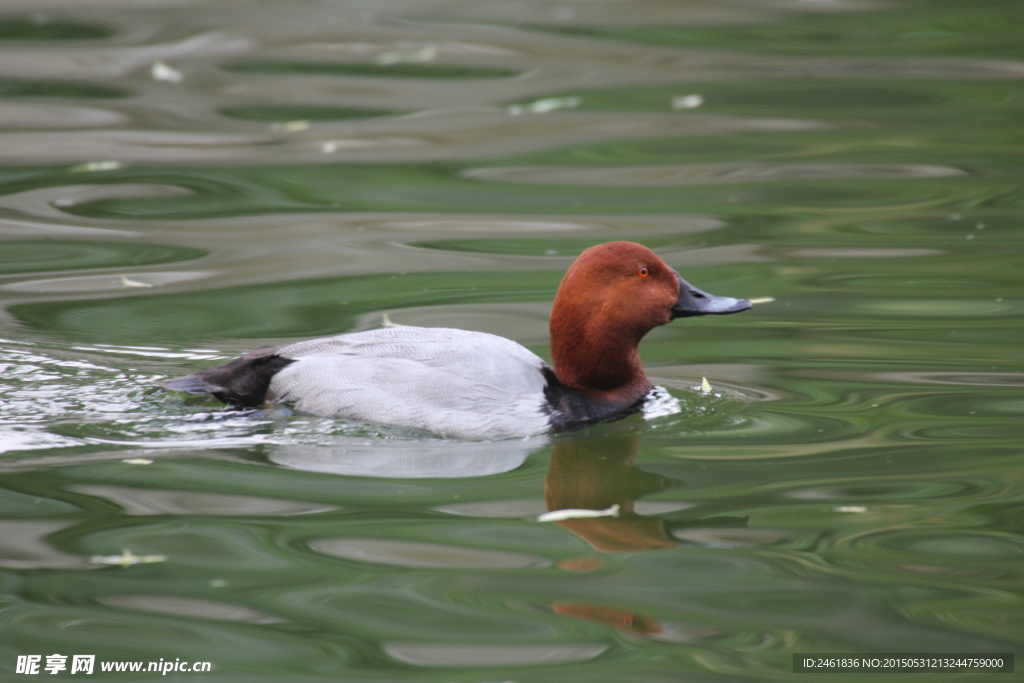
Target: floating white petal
(575, 513)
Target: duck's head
(611, 296)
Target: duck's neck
(589, 359)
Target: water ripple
(674, 174)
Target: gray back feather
(454, 383)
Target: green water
(853, 484)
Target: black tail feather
(242, 382)
(191, 384)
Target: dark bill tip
(693, 301)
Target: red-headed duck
(474, 385)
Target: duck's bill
(693, 301)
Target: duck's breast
(451, 382)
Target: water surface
(182, 181)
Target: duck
(463, 384)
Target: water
(183, 181)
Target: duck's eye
(644, 271)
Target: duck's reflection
(590, 471)
(621, 619)
(407, 458)
(597, 473)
